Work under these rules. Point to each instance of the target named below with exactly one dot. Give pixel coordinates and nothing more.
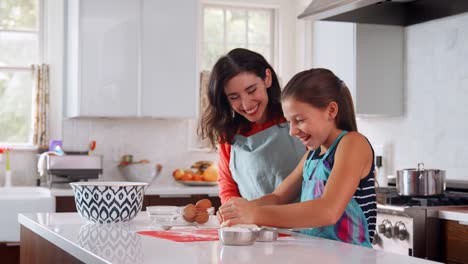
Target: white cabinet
(169, 62)
(368, 58)
(131, 58)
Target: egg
(202, 217)
(190, 212)
(191, 220)
(203, 204)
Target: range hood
(384, 12)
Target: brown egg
(191, 220)
(190, 212)
(203, 204)
(202, 217)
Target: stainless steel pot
(420, 181)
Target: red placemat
(184, 235)
(188, 235)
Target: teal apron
(352, 226)
(260, 162)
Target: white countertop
(164, 186)
(455, 214)
(118, 243)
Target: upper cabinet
(368, 58)
(132, 58)
(169, 62)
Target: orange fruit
(210, 174)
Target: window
(20, 45)
(226, 28)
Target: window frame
(17, 68)
(274, 25)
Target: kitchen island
(67, 238)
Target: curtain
(41, 89)
(203, 104)
(204, 81)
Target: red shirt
(227, 186)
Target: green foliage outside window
(19, 48)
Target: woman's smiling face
(310, 124)
(247, 94)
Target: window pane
(211, 54)
(231, 46)
(262, 49)
(18, 48)
(259, 27)
(236, 20)
(15, 107)
(213, 25)
(19, 14)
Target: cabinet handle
(463, 223)
(12, 244)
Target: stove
(410, 225)
(389, 196)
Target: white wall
(433, 129)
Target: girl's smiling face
(310, 124)
(247, 94)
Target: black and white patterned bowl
(108, 202)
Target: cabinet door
(456, 241)
(181, 201)
(169, 58)
(334, 49)
(379, 74)
(109, 48)
(368, 58)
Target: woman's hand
(238, 211)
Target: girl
(245, 117)
(335, 178)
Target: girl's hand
(219, 213)
(238, 211)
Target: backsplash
(433, 129)
(160, 141)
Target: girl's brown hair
(219, 122)
(318, 87)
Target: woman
(245, 118)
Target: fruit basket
(201, 173)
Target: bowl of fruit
(201, 173)
(139, 171)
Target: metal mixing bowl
(237, 237)
(267, 234)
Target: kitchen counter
(455, 214)
(118, 243)
(164, 186)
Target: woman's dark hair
(318, 87)
(219, 122)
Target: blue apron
(260, 162)
(352, 226)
